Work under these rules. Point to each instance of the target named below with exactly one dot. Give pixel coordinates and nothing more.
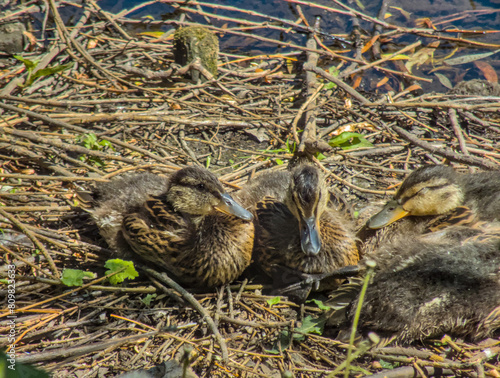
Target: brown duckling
(435, 190)
(445, 282)
(432, 198)
(185, 224)
(298, 233)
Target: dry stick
(35, 267)
(458, 132)
(51, 178)
(69, 126)
(194, 303)
(81, 350)
(116, 289)
(347, 183)
(69, 40)
(304, 106)
(377, 62)
(65, 146)
(309, 132)
(33, 238)
(340, 83)
(377, 30)
(445, 152)
(21, 148)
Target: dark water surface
(464, 15)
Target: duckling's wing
(460, 216)
(156, 233)
(482, 194)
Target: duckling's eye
(423, 191)
(201, 186)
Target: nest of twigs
(122, 106)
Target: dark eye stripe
(430, 187)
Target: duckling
(185, 224)
(298, 234)
(435, 190)
(432, 198)
(428, 285)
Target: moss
(196, 42)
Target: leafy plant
(31, 66)
(309, 325)
(147, 300)
(74, 277)
(348, 141)
(91, 142)
(117, 265)
(273, 301)
(334, 72)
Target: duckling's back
(112, 200)
(272, 184)
(482, 194)
(436, 284)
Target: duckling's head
(429, 190)
(196, 191)
(307, 199)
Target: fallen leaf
(444, 80)
(488, 71)
(357, 82)
(370, 43)
(469, 58)
(413, 87)
(92, 44)
(382, 82)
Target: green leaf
(279, 161)
(51, 70)
(273, 301)
(320, 156)
(107, 144)
(281, 343)
(334, 72)
(348, 141)
(319, 303)
(72, 277)
(148, 299)
(385, 364)
(29, 64)
(116, 265)
(310, 325)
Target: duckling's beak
(229, 206)
(310, 239)
(391, 212)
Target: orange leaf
(357, 82)
(92, 44)
(413, 87)
(488, 71)
(382, 82)
(369, 44)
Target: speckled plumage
(433, 197)
(284, 201)
(175, 224)
(444, 282)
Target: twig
(339, 82)
(33, 238)
(446, 152)
(163, 277)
